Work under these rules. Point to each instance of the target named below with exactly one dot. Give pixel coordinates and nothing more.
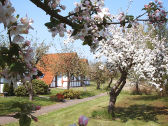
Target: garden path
(46, 109)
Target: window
(41, 76)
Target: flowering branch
(90, 19)
(53, 13)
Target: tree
(82, 71)
(129, 50)
(110, 75)
(40, 49)
(98, 74)
(135, 79)
(78, 66)
(67, 65)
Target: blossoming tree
(16, 61)
(88, 21)
(129, 50)
(90, 18)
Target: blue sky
(25, 7)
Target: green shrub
(6, 88)
(71, 94)
(40, 87)
(21, 91)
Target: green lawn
(131, 110)
(6, 103)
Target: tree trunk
(137, 87)
(115, 91)
(30, 96)
(98, 86)
(82, 81)
(111, 107)
(11, 89)
(69, 79)
(31, 92)
(110, 82)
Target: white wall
(1, 88)
(65, 81)
(2, 81)
(59, 81)
(62, 81)
(53, 83)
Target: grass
(69, 115)
(150, 110)
(6, 103)
(131, 110)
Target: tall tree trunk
(98, 86)
(115, 91)
(137, 87)
(83, 83)
(112, 101)
(29, 88)
(30, 91)
(30, 96)
(69, 80)
(110, 82)
(11, 89)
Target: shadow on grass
(148, 98)
(134, 112)
(140, 112)
(151, 98)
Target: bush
(40, 87)
(6, 88)
(58, 97)
(9, 89)
(21, 91)
(71, 94)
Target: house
(6, 81)
(16, 83)
(46, 73)
(2, 81)
(55, 66)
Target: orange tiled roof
(48, 77)
(84, 60)
(48, 59)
